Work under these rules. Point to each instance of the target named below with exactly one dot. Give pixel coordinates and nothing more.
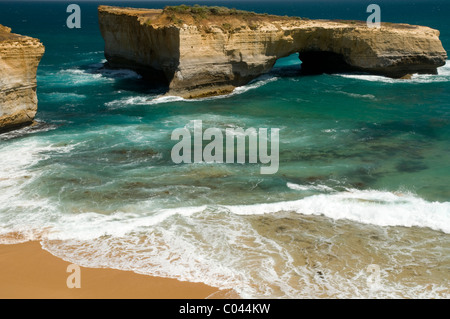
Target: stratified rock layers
(19, 59)
(215, 54)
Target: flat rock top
(185, 16)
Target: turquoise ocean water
(363, 177)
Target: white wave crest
(117, 73)
(62, 97)
(149, 100)
(215, 245)
(309, 187)
(442, 76)
(142, 100)
(363, 206)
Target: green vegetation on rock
(204, 11)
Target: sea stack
(204, 51)
(19, 59)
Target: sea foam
(152, 100)
(374, 207)
(442, 76)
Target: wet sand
(27, 271)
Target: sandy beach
(27, 271)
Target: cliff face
(210, 54)
(19, 59)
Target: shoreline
(27, 271)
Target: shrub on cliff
(204, 11)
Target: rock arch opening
(318, 62)
(199, 60)
(288, 66)
(311, 63)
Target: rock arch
(204, 57)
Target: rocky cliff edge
(204, 51)
(19, 59)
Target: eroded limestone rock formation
(207, 51)
(19, 59)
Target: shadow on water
(126, 79)
(406, 166)
(390, 128)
